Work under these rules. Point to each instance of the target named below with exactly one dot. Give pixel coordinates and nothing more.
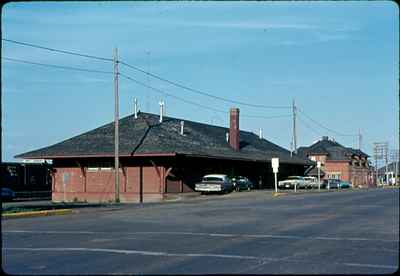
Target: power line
(145, 72)
(57, 66)
(198, 91)
(266, 117)
(170, 95)
(308, 126)
(321, 125)
(162, 92)
(56, 50)
(138, 82)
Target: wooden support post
(165, 179)
(141, 184)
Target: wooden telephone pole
(116, 126)
(294, 127)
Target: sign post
(319, 174)
(275, 166)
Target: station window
(99, 165)
(334, 175)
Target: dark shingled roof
(314, 171)
(145, 135)
(333, 149)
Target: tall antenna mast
(294, 127)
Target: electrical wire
(194, 103)
(170, 95)
(147, 73)
(138, 82)
(322, 126)
(57, 66)
(308, 126)
(56, 50)
(198, 91)
(266, 117)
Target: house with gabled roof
(339, 162)
(160, 155)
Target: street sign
(275, 164)
(318, 164)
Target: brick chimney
(234, 138)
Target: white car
(214, 183)
(291, 181)
(312, 182)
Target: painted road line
(230, 235)
(192, 255)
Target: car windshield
(212, 178)
(294, 177)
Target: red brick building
(159, 157)
(339, 162)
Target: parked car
(312, 182)
(336, 183)
(242, 183)
(330, 183)
(7, 194)
(344, 184)
(291, 181)
(214, 183)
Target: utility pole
(394, 156)
(294, 127)
(148, 83)
(116, 125)
(386, 150)
(381, 153)
(376, 157)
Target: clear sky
(339, 60)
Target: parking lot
(352, 231)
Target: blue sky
(339, 60)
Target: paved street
(244, 233)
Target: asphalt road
(246, 233)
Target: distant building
(386, 175)
(160, 155)
(339, 162)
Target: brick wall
(357, 175)
(99, 186)
(337, 166)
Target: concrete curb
(279, 194)
(36, 213)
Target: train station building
(159, 155)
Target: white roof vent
(161, 103)
(182, 125)
(135, 108)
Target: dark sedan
(242, 183)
